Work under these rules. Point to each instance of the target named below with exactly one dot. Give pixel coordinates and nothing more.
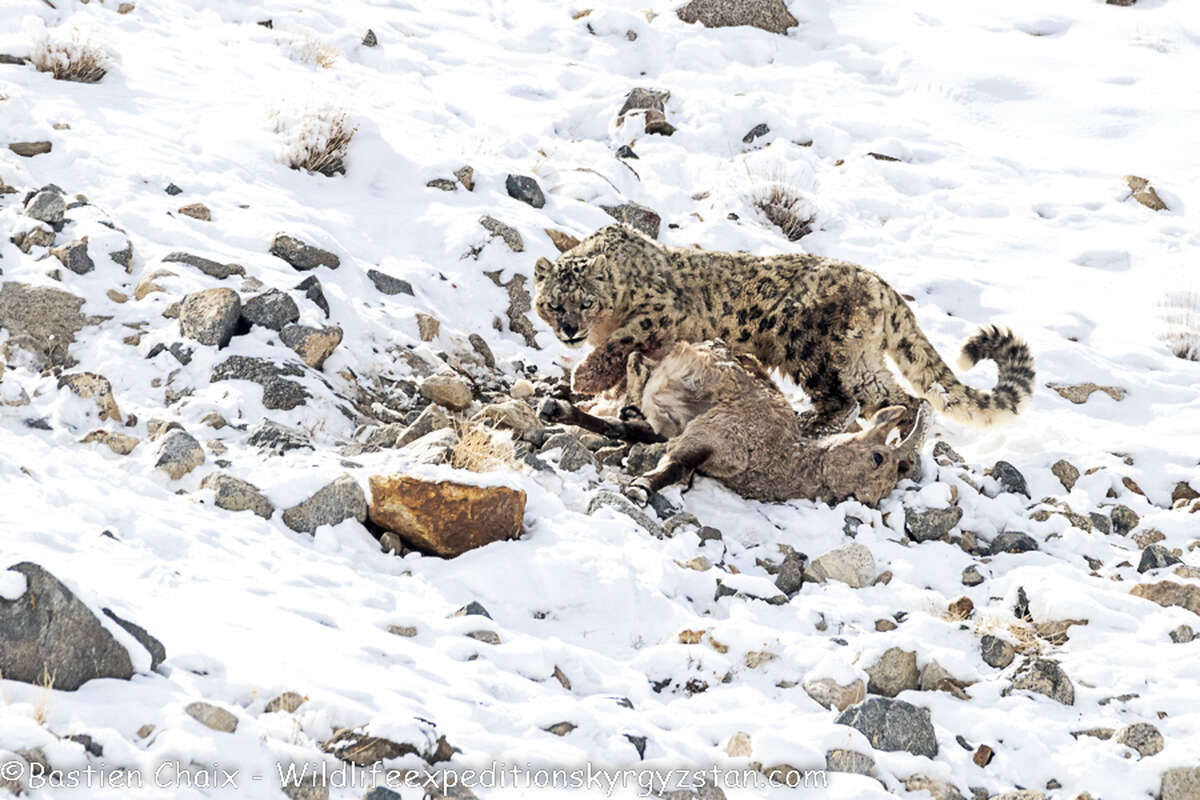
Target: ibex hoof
(638, 494)
(631, 413)
(552, 410)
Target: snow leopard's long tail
(936, 382)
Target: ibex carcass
(723, 416)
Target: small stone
(46, 206)
(1182, 634)
(894, 671)
(30, 149)
(625, 151)
(936, 678)
(525, 189)
(211, 716)
(445, 517)
(519, 304)
(388, 285)
(287, 703)
(759, 130)
(962, 608)
(1183, 493)
(234, 494)
(196, 211)
(427, 327)
(637, 216)
(506, 232)
(849, 761)
(738, 745)
(210, 316)
(1100, 522)
(1169, 593)
(450, 391)
(1078, 393)
(173, 190)
(1012, 542)
(119, 443)
(1142, 737)
(272, 309)
(938, 789)
(125, 8)
(1123, 519)
(466, 176)
(852, 564)
(334, 503)
(971, 576)
(790, 577)
(313, 345)
(213, 269)
(407, 631)
(1156, 557)
(931, 524)
(885, 625)
(945, 455)
(302, 256)
(444, 184)
(893, 725)
(472, 609)
(124, 257)
(624, 505)
(829, 694)
(1066, 472)
(1043, 676)
(574, 456)
(487, 637)
(1147, 537)
(561, 728)
(356, 746)
(983, 756)
(369, 39)
(1140, 188)
(1009, 477)
(179, 454)
(37, 236)
(74, 256)
(996, 652)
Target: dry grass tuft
(309, 50)
(316, 141)
(77, 57)
(1179, 311)
(481, 449)
(785, 208)
(47, 684)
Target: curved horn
(916, 436)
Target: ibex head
(864, 466)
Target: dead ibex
(723, 416)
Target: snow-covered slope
(1013, 125)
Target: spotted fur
(826, 324)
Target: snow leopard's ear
(542, 269)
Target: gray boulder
(158, 653)
(895, 671)
(234, 494)
(47, 205)
(272, 309)
(213, 269)
(48, 631)
(931, 524)
(74, 256)
(1010, 478)
(1156, 557)
(334, 503)
(278, 393)
(1043, 676)
(210, 316)
(179, 454)
(644, 219)
(525, 189)
(769, 15)
(302, 256)
(42, 321)
(1182, 783)
(893, 725)
(278, 439)
(996, 652)
(386, 284)
(1012, 542)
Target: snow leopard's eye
(557, 309)
(587, 302)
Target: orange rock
(445, 517)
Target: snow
(12, 585)
(1014, 128)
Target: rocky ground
(277, 495)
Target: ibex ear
(542, 269)
(884, 421)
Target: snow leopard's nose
(569, 330)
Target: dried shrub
(1179, 312)
(73, 56)
(785, 208)
(481, 449)
(315, 140)
(308, 49)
